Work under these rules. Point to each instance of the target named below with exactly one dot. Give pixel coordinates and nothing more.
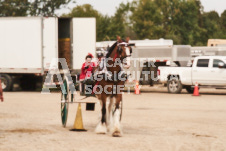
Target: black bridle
(120, 50)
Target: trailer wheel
(174, 85)
(7, 82)
(189, 89)
(28, 83)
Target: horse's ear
(119, 39)
(127, 39)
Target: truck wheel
(7, 82)
(189, 89)
(174, 85)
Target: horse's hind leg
(101, 127)
(117, 131)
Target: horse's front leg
(117, 130)
(110, 114)
(101, 127)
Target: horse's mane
(111, 49)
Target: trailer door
(84, 40)
(50, 41)
(21, 44)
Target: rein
(116, 55)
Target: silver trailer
(208, 51)
(149, 58)
(150, 54)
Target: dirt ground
(154, 120)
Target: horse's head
(124, 50)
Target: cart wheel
(65, 94)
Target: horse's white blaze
(127, 58)
(101, 128)
(127, 51)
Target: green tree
(46, 7)
(147, 19)
(180, 20)
(103, 29)
(211, 23)
(183, 21)
(120, 22)
(31, 7)
(13, 8)
(223, 25)
(85, 10)
(170, 9)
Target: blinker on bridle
(119, 50)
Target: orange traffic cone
(137, 89)
(196, 90)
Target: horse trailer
(29, 44)
(151, 57)
(207, 51)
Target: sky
(108, 7)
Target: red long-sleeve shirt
(86, 72)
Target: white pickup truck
(207, 71)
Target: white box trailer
(21, 43)
(28, 45)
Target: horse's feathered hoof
(101, 129)
(116, 134)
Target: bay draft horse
(112, 87)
